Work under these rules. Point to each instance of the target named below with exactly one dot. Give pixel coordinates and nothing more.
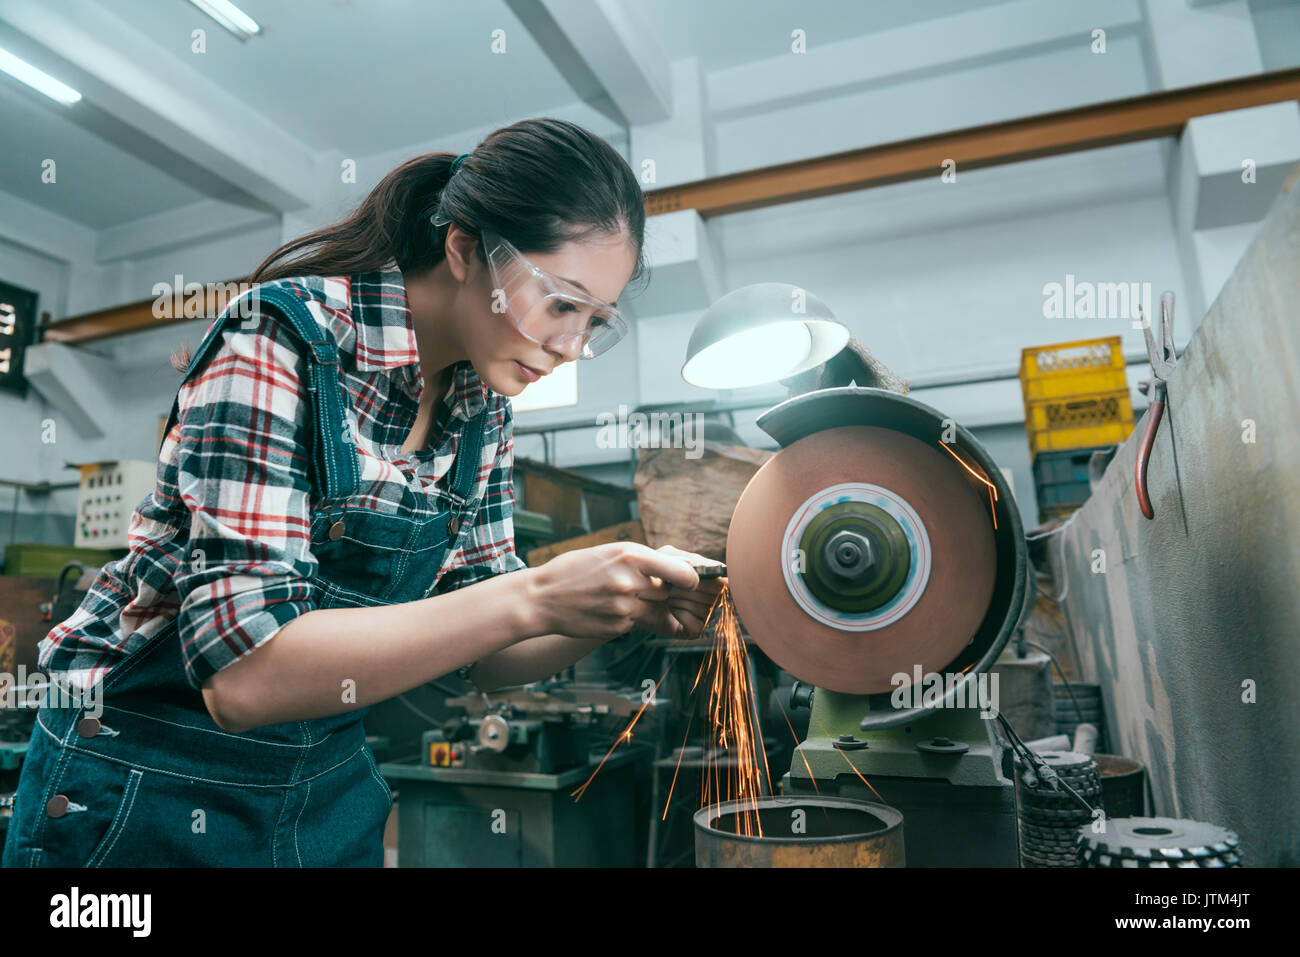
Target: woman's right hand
(605, 591)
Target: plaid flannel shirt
(233, 485)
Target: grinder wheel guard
(857, 553)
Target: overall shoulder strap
(335, 455)
(469, 455)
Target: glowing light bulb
(752, 357)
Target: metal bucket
(830, 832)
(1123, 785)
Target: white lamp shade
(761, 333)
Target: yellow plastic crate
(1078, 421)
(1082, 367)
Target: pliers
(1163, 359)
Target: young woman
(332, 522)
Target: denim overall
(154, 781)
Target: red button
(57, 806)
(88, 727)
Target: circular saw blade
(958, 536)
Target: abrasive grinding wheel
(859, 552)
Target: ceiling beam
(604, 54)
(76, 383)
(917, 51)
(1146, 117)
(202, 222)
(1105, 124)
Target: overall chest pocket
(368, 556)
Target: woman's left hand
(683, 611)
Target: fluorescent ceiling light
(37, 79)
(230, 17)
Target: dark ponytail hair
(539, 183)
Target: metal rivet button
(453, 526)
(336, 530)
(88, 727)
(57, 806)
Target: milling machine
(496, 785)
(544, 728)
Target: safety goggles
(546, 309)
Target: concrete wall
(1190, 626)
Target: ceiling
(365, 76)
(358, 78)
(712, 31)
(96, 183)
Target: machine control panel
(109, 493)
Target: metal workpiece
(710, 571)
(800, 831)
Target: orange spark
(626, 735)
(733, 772)
(681, 752)
(733, 741)
(993, 492)
(855, 770)
(800, 753)
(860, 777)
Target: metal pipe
(713, 406)
(38, 488)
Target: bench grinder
(880, 559)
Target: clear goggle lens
(548, 310)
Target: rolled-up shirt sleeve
(242, 472)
